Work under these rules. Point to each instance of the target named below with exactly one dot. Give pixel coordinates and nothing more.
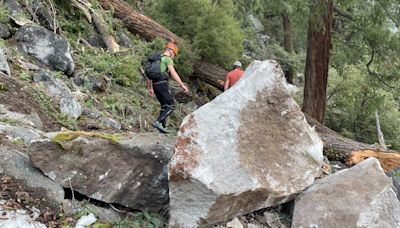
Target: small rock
(23, 197)
(69, 208)
(111, 123)
(91, 113)
(86, 221)
(43, 14)
(234, 223)
(96, 41)
(4, 31)
(96, 83)
(124, 39)
(272, 220)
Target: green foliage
(141, 219)
(9, 121)
(48, 108)
(44, 100)
(123, 69)
(211, 28)
(70, 135)
(26, 75)
(68, 122)
(352, 102)
(4, 14)
(73, 23)
(3, 43)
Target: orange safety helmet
(173, 47)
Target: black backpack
(152, 67)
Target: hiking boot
(159, 127)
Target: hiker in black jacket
(159, 85)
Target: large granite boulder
(132, 171)
(362, 196)
(47, 47)
(248, 149)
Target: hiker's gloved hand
(185, 89)
(151, 92)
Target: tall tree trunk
(317, 63)
(288, 43)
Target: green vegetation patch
(71, 135)
(4, 14)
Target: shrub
(211, 28)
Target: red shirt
(234, 76)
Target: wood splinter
(389, 161)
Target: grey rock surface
(25, 134)
(248, 149)
(56, 88)
(17, 164)
(4, 67)
(131, 172)
(4, 31)
(47, 47)
(361, 196)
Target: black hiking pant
(166, 99)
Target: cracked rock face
(362, 196)
(132, 172)
(248, 149)
(47, 47)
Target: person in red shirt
(234, 75)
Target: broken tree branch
(379, 131)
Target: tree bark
(211, 74)
(136, 22)
(317, 62)
(337, 147)
(288, 43)
(112, 45)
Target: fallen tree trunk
(211, 74)
(337, 147)
(147, 28)
(136, 22)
